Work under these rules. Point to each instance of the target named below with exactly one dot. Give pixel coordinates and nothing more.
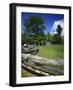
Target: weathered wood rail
(40, 66)
(35, 72)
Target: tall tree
(34, 25)
(57, 37)
(59, 30)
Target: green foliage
(49, 37)
(34, 27)
(57, 39)
(27, 38)
(34, 24)
(59, 30)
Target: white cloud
(58, 22)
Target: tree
(59, 30)
(57, 37)
(41, 38)
(27, 38)
(34, 26)
(49, 37)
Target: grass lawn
(51, 52)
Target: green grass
(51, 52)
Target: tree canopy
(34, 24)
(34, 29)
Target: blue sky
(49, 19)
